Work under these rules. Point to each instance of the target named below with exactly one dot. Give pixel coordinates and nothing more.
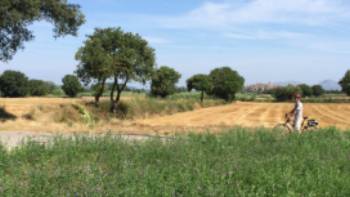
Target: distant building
(260, 87)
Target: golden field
(57, 115)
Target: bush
(345, 83)
(317, 90)
(71, 85)
(225, 83)
(285, 93)
(39, 87)
(13, 84)
(163, 81)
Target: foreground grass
(235, 163)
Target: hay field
(250, 114)
(57, 115)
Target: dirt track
(250, 114)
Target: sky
(264, 40)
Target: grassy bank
(138, 106)
(234, 163)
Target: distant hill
(330, 85)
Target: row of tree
(288, 92)
(17, 84)
(221, 82)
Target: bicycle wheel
(282, 127)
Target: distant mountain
(330, 85)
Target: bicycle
(307, 124)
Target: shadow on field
(5, 116)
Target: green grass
(235, 163)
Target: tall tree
(17, 15)
(121, 56)
(95, 63)
(200, 83)
(163, 81)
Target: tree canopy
(306, 90)
(114, 54)
(226, 83)
(164, 80)
(17, 15)
(286, 93)
(39, 87)
(199, 82)
(71, 85)
(13, 84)
(317, 90)
(345, 83)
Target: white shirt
(299, 109)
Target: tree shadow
(5, 116)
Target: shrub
(38, 87)
(13, 84)
(71, 85)
(317, 90)
(163, 81)
(225, 83)
(285, 93)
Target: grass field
(234, 163)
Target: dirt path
(12, 139)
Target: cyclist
(297, 112)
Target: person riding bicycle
(297, 112)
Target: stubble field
(49, 112)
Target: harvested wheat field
(250, 114)
(59, 115)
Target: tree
(345, 83)
(38, 87)
(306, 90)
(286, 93)
(200, 83)
(317, 90)
(226, 83)
(13, 84)
(17, 15)
(95, 62)
(163, 81)
(71, 85)
(121, 56)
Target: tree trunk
(120, 89)
(113, 104)
(202, 96)
(99, 92)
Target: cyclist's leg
(298, 123)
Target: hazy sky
(264, 40)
